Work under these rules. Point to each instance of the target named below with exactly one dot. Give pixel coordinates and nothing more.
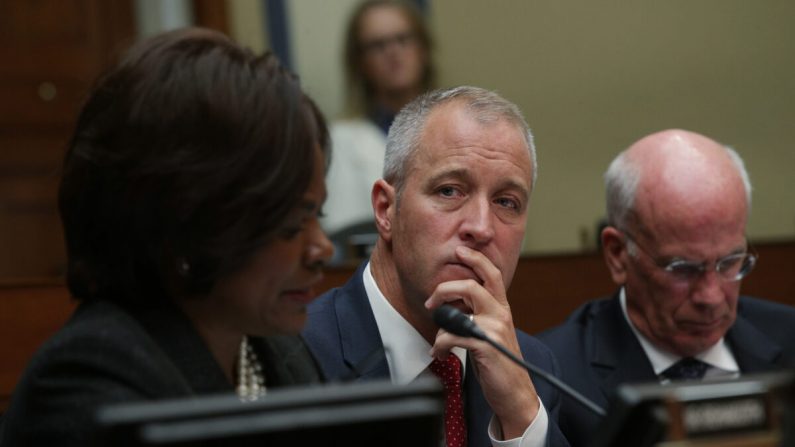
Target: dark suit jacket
(342, 334)
(105, 354)
(597, 351)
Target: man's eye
(684, 269)
(447, 191)
(731, 264)
(508, 203)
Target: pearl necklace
(250, 380)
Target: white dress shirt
(408, 356)
(719, 357)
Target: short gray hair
(405, 132)
(623, 176)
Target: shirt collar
(407, 352)
(718, 356)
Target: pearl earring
(183, 267)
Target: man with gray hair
(451, 213)
(677, 206)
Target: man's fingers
(485, 270)
(446, 341)
(467, 292)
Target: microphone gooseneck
(456, 322)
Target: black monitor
(367, 413)
(750, 410)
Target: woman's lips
(302, 296)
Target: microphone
(456, 322)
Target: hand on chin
(455, 271)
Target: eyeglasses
(729, 268)
(380, 45)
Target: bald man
(677, 206)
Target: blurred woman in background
(388, 63)
(190, 198)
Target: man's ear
(614, 249)
(384, 204)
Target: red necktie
(449, 372)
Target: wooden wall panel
(546, 289)
(30, 231)
(212, 14)
(50, 53)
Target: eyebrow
(456, 173)
(734, 252)
(738, 250)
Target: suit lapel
(753, 350)
(362, 348)
(177, 337)
(618, 357)
(286, 360)
(615, 353)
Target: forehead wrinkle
(454, 133)
(455, 172)
(484, 152)
(678, 242)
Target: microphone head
(456, 322)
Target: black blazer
(105, 354)
(597, 351)
(342, 334)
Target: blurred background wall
(591, 77)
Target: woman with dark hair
(190, 199)
(387, 58)
(387, 64)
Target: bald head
(678, 198)
(677, 175)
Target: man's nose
(477, 224)
(708, 288)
